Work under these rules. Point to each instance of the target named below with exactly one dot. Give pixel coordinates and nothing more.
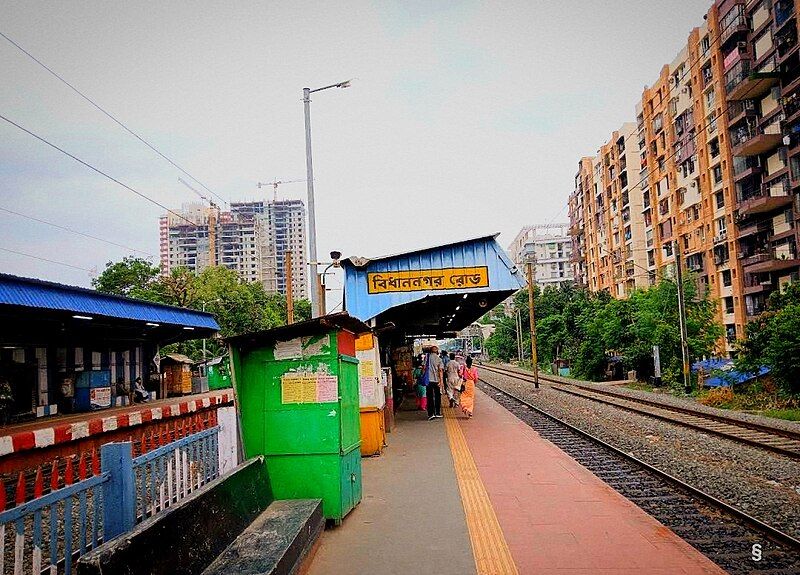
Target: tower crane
(211, 213)
(275, 185)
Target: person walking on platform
(419, 384)
(435, 383)
(470, 375)
(453, 372)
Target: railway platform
(488, 495)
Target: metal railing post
(119, 492)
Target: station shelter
(425, 294)
(57, 339)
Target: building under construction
(252, 238)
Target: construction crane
(275, 185)
(211, 213)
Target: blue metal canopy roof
(39, 294)
(476, 266)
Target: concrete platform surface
(488, 495)
(410, 519)
(557, 516)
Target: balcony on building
(771, 260)
(741, 109)
(733, 24)
(745, 167)
(721, 254)
(765, 198)
(786, 42)
(694, 262)
(745, 82)
(757, 283)
(752, 228)
(752, 140)
(755, 305)
(784, 10)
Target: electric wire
(98, 170)
(78, 232)
(109, 115)
(46, 260)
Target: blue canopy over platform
(434, 291)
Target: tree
(774, 340)
(132, 277)
(586, 328)
(237, 306)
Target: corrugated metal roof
(361, 261)
(484, 251)
(34, 293)
(341, 320)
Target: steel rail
(670, 414)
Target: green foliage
(773, 339)
(586, 328)
(131, 277)
(238, 307)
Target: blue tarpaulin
(730, 376)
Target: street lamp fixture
(316, 307)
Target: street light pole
(312, 220)
(316, 310)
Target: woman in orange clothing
(470, 376)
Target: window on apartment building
(711, 97)
(668, 249)
(721, 225)
(719, 197)
(658, 123)
(713, 147)
(705, 45)
(726, 278)
(711, 122)
(716, 172)
(673, 106)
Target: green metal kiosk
(298, 397)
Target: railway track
(773, 439)
(723, 533)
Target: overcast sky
(464, 118)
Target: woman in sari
(470, 375)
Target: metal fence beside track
(51, 531)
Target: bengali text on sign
(424, 280)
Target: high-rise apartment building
(719, 142)
(550, 248)
(251, 239)
(762, 75)
(605, 217)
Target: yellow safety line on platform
(489, 547)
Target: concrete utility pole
(534, 354)
(687, 386)
(287, 266)
(316, 310)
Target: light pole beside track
(316, 310)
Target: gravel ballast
(760, 483)
(688, 402)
